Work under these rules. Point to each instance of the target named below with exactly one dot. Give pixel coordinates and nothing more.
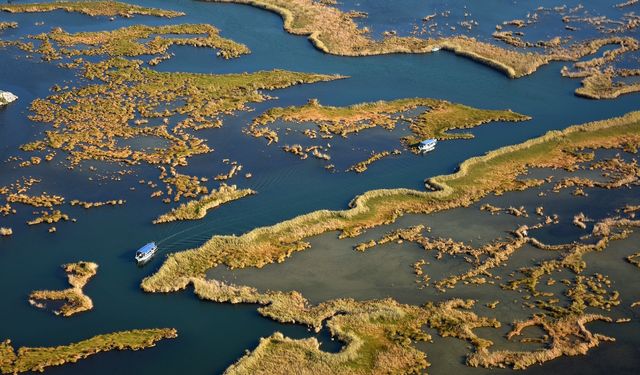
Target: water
(211, 336)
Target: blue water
(211, 336)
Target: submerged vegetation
(25, 359)
(91, 8)
(197, 209)
(76, 301)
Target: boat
(146, 252)
(427, 145)
(435, 49)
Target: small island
(25, 359)
(197, 209)
(90, 8)
(76, 301)
(434, 118)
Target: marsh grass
(378, 334)
(78, 274)
(197, 209)
(38, 359)
(91, 8)
(435, 119)
(129, 41)
(335, 32)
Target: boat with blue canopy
(146, 252)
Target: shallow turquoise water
(211, 336)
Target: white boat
(6, 97)
(146, 252)
(427, 145)
(435, 49)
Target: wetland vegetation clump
(496, 172)
(435, 118)
(602, 84)
(128, 102)
(87, 205)
(8, 25)
(49, 217)
(90, 8)
(78, 275)
(129, 41)
(362, 166)
(26, 359)
(634, 259)
(42, 200)
(197, 209)
(568, 336)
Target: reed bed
(91, 8)
(434, 120)
(126, 41)
(78, 274)
(26, 359)
(197, 209)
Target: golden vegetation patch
(78, 275)
(25, 359)
(87, 205)
(8, 25)
(602, 84)
(49, 217)
(91, 8)
(634, 259)
(362, 166)
(434, 120)
(569, 337)
(130, 41)
(197, 209)
(496, 172)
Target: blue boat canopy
(428, 142)
(147, 248)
